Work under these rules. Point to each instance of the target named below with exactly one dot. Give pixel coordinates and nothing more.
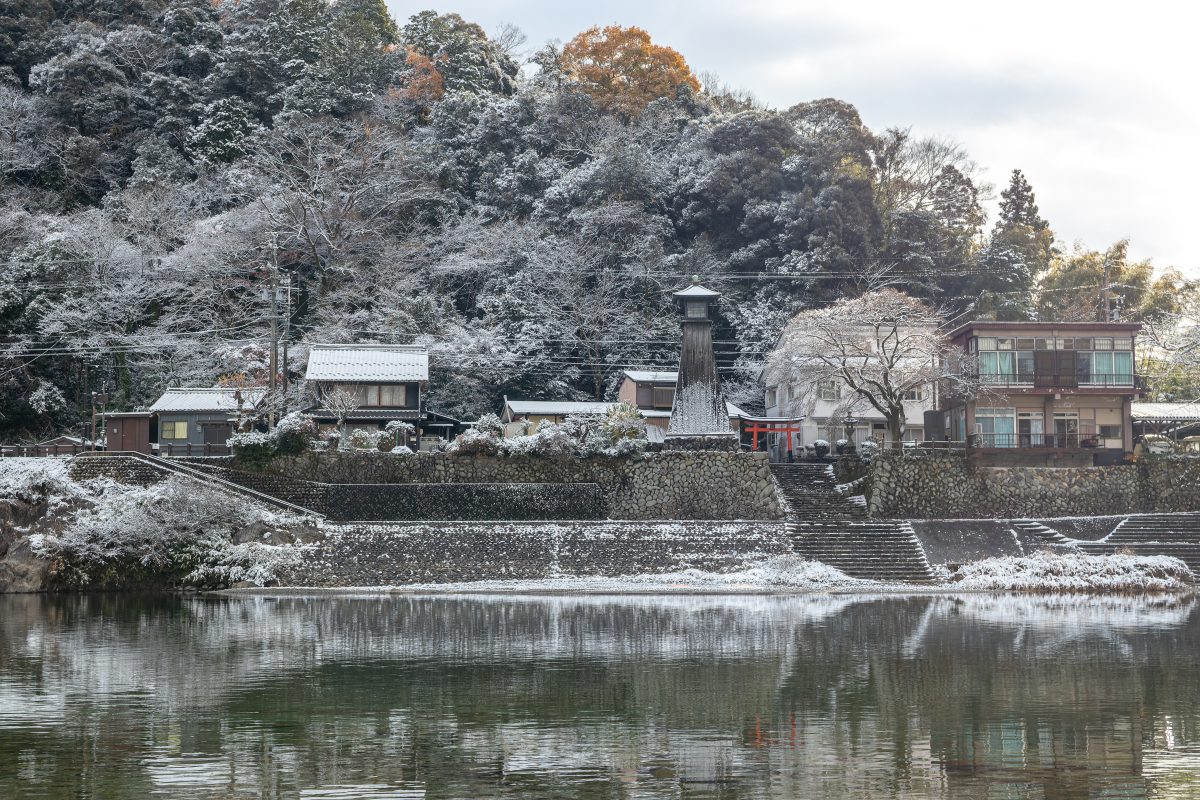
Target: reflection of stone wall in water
(1070, 697)
(951, 485)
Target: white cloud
(1091, 100)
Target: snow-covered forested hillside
(523, 212)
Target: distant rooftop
(385, 363)
(219, 398)
(1166, 412)
(651, 376)
(556, 408)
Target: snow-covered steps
(809, 492)
(1043, 532)
(878, 550)
(1175, 535)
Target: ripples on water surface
(632, 697)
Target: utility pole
(287, 331)
(273, 290)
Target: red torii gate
(764, 425)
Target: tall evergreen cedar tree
(159, 158)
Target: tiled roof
(367, 362)
(556, 408)
(697, 291)
(220, 398)
(1167, 412)
(651, 376)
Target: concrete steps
(828, 527)
(1176, 535)
(1043, 532)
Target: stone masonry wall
(384, 554)
(683, 485)
(951, 485)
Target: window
(381, 396)
(1102, 343)
(828, 390)
(173, 430)
(987, 343)
(771, 397)
(996, 427)
(664, 396)
(697, 309)
(791, 391)
(1110, 431)
(914, 394)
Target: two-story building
(1062, 386)
(386, 381)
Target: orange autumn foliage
(623, 70)
(425, 83)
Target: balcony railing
(1058, 381)
(1082, 439)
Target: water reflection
(684, 697)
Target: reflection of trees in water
(835, 695)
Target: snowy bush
(490, 424)
(550, 441)
(622, 421)
(291, 436)
(47, 398)
(868, 449)
(252, 447)
(821, 448)
(176, 533)
(38, 480)
(1071, 572)
(293, 433)
(476, 442)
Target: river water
(977, 696)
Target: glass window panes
(1122, 344)
(1004, 344)
(1066, 344)
(1025, 344)
(664, 396)
(987, 343)
(1044, 344)
(392, 396)
(771, 396)
(1083, 343)
(1123, 365)
(1025, 364)
(173, 430)
(1102, 343)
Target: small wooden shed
(128, 431)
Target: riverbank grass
(1073, 572)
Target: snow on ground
(1069, 572)
(778, 573)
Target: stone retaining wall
(393, 554)
(952, 485)
(683, 485)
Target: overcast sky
(1094, 101)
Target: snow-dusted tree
(880, 346)
(340, 402)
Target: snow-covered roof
(698, 292)
(367, 362)
(557, 408)
(220, 398)
(1168, 412)
(651, 376)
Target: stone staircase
(1043, 532)
(825, 526)
(1175, 535)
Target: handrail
(181, 468)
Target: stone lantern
(699, 416)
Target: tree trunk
(895, 429)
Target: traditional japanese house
(199, 421)
(386, 381)
(1048, 386)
